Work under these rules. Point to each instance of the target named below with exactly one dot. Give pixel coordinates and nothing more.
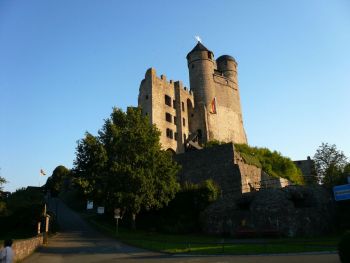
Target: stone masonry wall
(23, 248)
(227, 168)
(214, 163)
(227, 124)
(153, 90)
(224, 166)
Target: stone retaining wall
(24, 247)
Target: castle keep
(209, 110)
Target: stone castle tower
(210, 110)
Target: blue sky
(65, 64)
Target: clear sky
(65, 64)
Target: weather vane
(198, 39)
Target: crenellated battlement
(151, 74)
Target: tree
(2, 204)
(125, 162)
(2, 182)
(89, 167)
(331, 164)
(55, 182)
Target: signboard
(89, 205)
(100, 210)
(117, 213)
(341, 192)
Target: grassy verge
(201, 244)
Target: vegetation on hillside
(273, 163)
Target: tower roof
(198, 47)
(225, 57)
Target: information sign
(341, 192)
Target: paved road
(78, 242)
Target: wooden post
(46, 233)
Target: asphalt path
(78, 242)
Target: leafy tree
(125, 162)
(24, 209)
(55, 182)
(89, 167)
(2, 182)
(331, 164)
(2, 203)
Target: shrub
(182, 213)
(344, 248)
(213, 143)
(273, 163)
(24, 210)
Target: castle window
(167, 100)
(174, 104)
(175, 136)
(175, 119)
(192, 66)
(168, 117)
(209, 54)
(183, 122)
(169, 133)
(183, 106)
(146, 97)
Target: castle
(209, 110)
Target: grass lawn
(202, 244)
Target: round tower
(228, 66)
(201, 66)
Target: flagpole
(42, 173)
